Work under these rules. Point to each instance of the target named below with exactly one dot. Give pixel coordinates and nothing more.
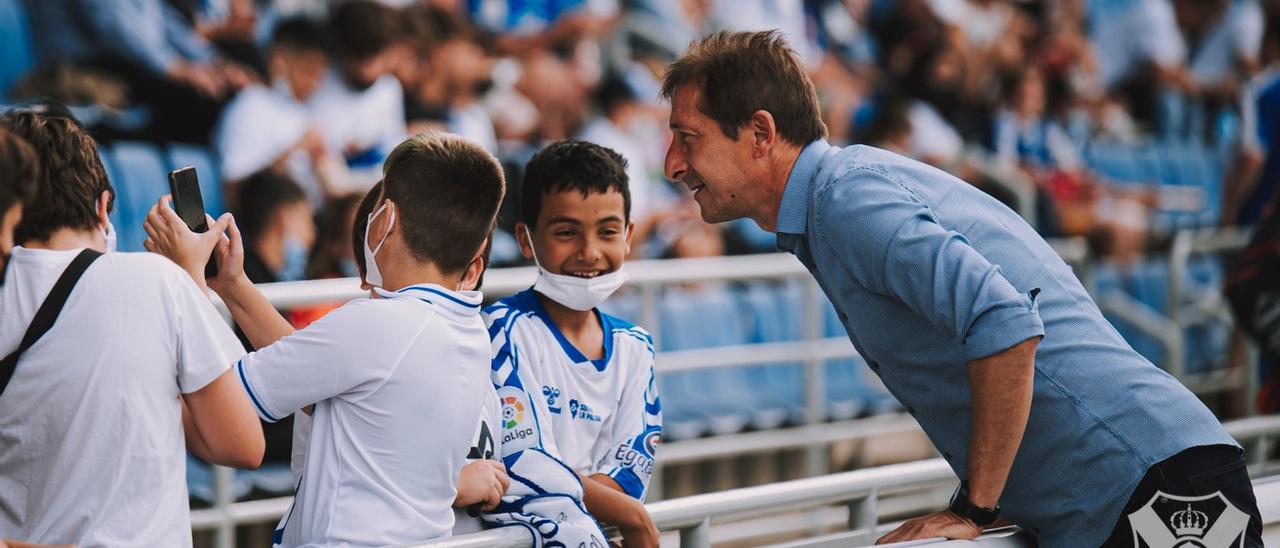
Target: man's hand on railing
(937, 524)
(481, 483)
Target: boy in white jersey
(573, 381)
(398, 382)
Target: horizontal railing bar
(677, 452)
(755, 354)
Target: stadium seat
(206, 165)
(141, 179)
(15, 43)
(773, 313)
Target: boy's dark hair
(298, 34)
(19, 169)
(71, 176)
(447, 191)
(739, 73)
(361, 223)
(261, 195)
(572, 165)
(361, 29)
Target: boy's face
(303, 70)
(579, 236)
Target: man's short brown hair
(19, 169)
(71, 176)
(739, 73)
(447, 191)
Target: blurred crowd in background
(300, 100)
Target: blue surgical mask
(294, 267)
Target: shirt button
(844, 318)
(875, 366)
(946, 455)
(911, 410)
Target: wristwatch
(963, 507)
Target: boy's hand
(643, 533)
(168, 235)
(482, 482)
(230, 254)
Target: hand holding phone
(184, 186)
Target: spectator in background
(1258, 169)
(360, 104)
(332, 256)
(1224, 38)
(19, 169)
(279, 228)
(449, 72)
(167, 65)
(271, 127)
(1141, 53)
(619, 125)
(93, 384)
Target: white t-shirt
(598, 416)
(398, 384)
(484, 446)
(362, 126)
(1236, 35)
(258, 126)
(91, 444)
(1128, 33)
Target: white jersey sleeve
(319, 362)
(524, 420)
(631, 434)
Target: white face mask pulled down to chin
(372, 275)
(580, 294)
(109, 234)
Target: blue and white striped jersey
(598, 416)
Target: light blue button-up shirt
(928, 273)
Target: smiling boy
(575, 382)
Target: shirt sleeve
(133, 29)
(891, 243)
(524, 419)
(347, 353)
(633, 432)
(205, 345)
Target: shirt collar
(462, 303)
(793, 212)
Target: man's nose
(675, 165)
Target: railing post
(815, 393)
(697, 536)
(863, 512)
(223, 498)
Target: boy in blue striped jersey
(574, 382)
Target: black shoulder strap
(48, 312)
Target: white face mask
(577, 293)
(110, 234)
(372, 275)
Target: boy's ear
(522, 237)
(631, 236)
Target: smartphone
(184, 186)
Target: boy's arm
(606, 500)
(633, 433)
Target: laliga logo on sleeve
(1171, 521)
(517, 429)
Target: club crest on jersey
(651, 441)
(552, 394)
(582, 411)
(518, 430)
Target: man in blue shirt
(968, 316)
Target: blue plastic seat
(15, 43)
(773, 313)
(141, 178)
(181, 155)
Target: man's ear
(104, 211)
(763, 133)
(523, 232)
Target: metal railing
(859, 491)
(647, 279)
